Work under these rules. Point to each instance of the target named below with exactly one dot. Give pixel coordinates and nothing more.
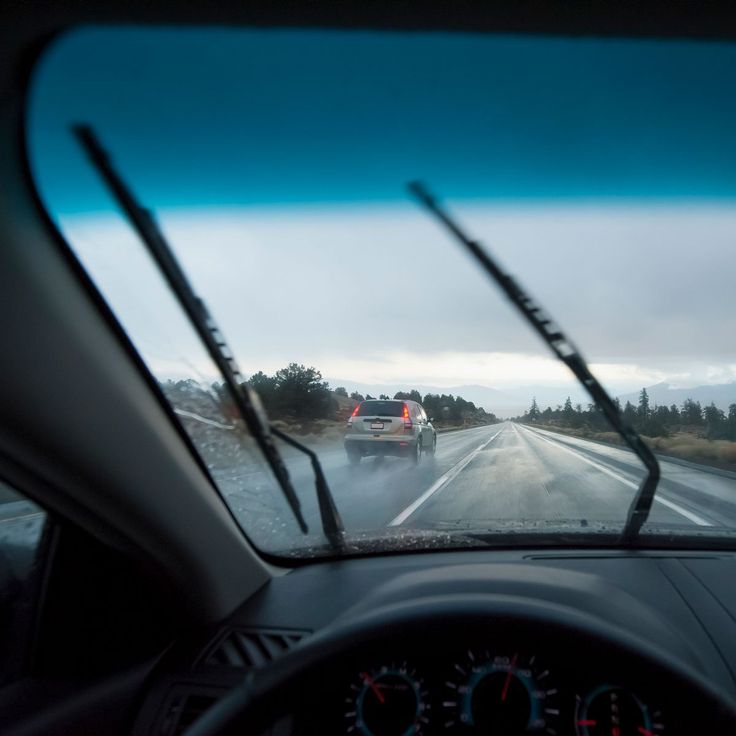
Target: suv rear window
(381, 408)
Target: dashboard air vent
(245, 648)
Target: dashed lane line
(441, 482)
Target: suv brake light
(408, 424)
(350, 418)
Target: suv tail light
(408, 424)
(350, 418)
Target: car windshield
(276, 163)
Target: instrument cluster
(509, 693)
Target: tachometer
(389, 701)
(613, 711)
(508, 695)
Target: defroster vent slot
(246, 648)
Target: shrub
(728, 453)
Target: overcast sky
(382, 295)
(599, 171)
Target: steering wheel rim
(259, 701)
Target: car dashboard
(560, 643)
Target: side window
(22, 525)
(423, 414)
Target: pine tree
(534, 410)
(568, 413)
(715, 422)
(643, 410)
(630, 413)
(732, 422)
(691, 412)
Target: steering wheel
(693, 704)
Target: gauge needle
(372, 685)
(506, 684)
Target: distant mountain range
(515, 401)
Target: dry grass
(612, 438)
(728, 453)
(683, 445)
(697, 449)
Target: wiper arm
(244, 396)
(564, 349)
(330, 516)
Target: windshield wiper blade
(246, 399)
(330, 516)
(564, 349)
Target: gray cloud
(629, 284)
(649, 287)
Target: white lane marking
(442, 481)
(689, 515)
(584, 458)
(699, 520)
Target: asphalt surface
(511, 472)
(499, 473)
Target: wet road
(500, 473)
(509, 472)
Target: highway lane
(506, 472)
(512, 472)
(522, 476)
(373, 493)
(368, 496)
(503, 472)
(694, 492)
(532, 474)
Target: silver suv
(389, 427)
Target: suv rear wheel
(353, 457)
(416, 453)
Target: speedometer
(511, 695)
(387, 701)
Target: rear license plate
(377, 425)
